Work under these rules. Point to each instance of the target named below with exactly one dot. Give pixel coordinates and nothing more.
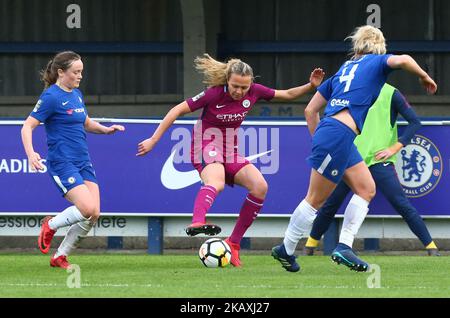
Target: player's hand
(316, 77)
(112, 129)
(428, 83)
(146, 146)
(384, 154)
(34, 160)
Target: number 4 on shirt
(348, 78)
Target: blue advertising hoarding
(164, 181)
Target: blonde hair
(216, 73)
(367, 39)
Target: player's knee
(260, 189)
(218, 185)
(94, 218)
(371, 191)
(89, 210)
(316, 199)
(367, 193)
(95, 215)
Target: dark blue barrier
(234, 47)
(93, 47)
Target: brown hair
(217, 73)
(63, 61)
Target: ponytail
(216, 73)
(62, 61)
(47, 76)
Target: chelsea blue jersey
(356, 86)
(63, 114)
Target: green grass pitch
(170, 276)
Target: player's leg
(84, 207)
(302, 219)
(249, 177)
(331, 147)
(70, 182)
(359, 179)
(325, 216)
(213, 179)
(387, 181)
(77, 231)
(300, 223)
(85, 198)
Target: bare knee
(367, 192)
(316, 201)
(93, 219)
(89, 210)
(259, 189)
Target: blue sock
(328, 210)
(341, 247)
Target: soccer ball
(215, 253)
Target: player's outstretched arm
(96, 128)
(148, 144)
(315, 79)
(407, 63)
(27, 140)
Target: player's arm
(27, 139)
(407, 63)
(312, 111)
(96, 128)
(177, 111)
(400, 105)
(315, 79)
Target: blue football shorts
(68, 174)
(333, 150)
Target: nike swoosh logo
(220, 106)
(386, 164)
(64, 103)
(253, 157)
(173, 179)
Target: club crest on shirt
(246, 103)
(419, 167)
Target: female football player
(231, 94)
(62, 110)
(348, 96)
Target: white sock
(67, 217)
(75, 233)
(299, 226)
(354, 216)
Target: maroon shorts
(231, 162)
